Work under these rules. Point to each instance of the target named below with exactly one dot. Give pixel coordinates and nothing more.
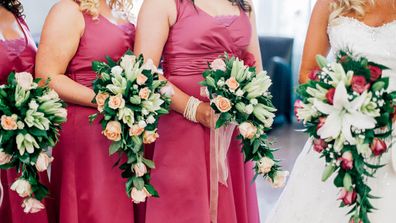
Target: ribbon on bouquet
(1, 191)
(393, 149)
(220, 140)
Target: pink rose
(313, 75)
(144, 93)
(265, 165)
(116, 102)
(139, 196)
(375, 72)
(43, 161)
(218, 64)
(9, 122)
(100, 100)
(22, 187)
(32, 205)
(140, 169)
(359, 84)
(347, 197)
(247, 130)
(232, 83)
(4, 158)
(322, 121)
(298, 104)
(222, 103)
(150, 136)
(346, 160)
(25, 80)
(136, 130)
(319, 145)
(330, 95)
(113, 131)
(353, 221)
(378, 147)
(141, 79)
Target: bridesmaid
(17, 53)
(190, 34)
(85, 185)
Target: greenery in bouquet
(131, 98)
(347, 110)
(239, 95)
(31, 118)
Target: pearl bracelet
(190, 112)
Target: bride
(367, 28)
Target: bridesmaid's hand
(204, 114)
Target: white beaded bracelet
(190, 112)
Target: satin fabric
(86, 186)
(181, 153)
(17, 55)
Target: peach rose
(232, 83)
(265, 165)
(222, 103)
(247, 130)
(136, 130)
(150, 136)
(25, 80)
(139, 196)
(140, 169)
(116, 102)
(144, 93)
(32, 205)
(9, 122)
(4, 158)
(141, 79)
(22, 187)
(43, 161)
(100, 100)
(113, 131)
(218, 64)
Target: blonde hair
(92, 6)
(344, 7)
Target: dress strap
(24, 27)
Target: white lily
(338, 75)
(342, 115)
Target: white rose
(33, 105)
(127, 116)
(127, 62)
(149, 65)
(239, 93)
(150, 119)
(117, 70)
(247, 130)
(32, 205)
(22, 187)
(20, 125)
(280, 179)
(139, 196)
(25, 80)
(142, 124)
(249, 109)
(254, 101)
(265, 165)
(167, 90)
(43, 161)
(145, 111)
(140, 169)
(220, 83)
(4, 158)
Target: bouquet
(31, 118)
(347, 111)
(239, 96)
(131, 98)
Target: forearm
(71, 91)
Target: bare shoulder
(323, 6)
(161, 9)
(66, 9)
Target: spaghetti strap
(22, 24)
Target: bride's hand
(204, 114)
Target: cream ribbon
(220, 140)
(1, 191)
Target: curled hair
(92, 6)
(344, 7)
(14, 6)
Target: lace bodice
(378, 44)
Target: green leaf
(322, 61)
(114, 147)
(92, 118)
(149, 163)
(328, 171)
(347, 182)
(138, 182)
(151, 190)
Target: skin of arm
(59, 42)
(317, 40)
(254, 46)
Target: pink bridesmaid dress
(17, 55)
(86, 186)
(182, 152)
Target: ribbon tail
(393, 149)
(214, 177)
(1, 191)
(226, 133)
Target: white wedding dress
(306, 199)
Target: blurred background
(281, 25)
